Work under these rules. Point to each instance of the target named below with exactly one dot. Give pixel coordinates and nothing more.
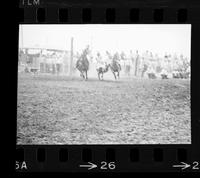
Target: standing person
(188, 70)
(127, 64)
(164, 65)
(132, 60)
(131, 57)
(170, 65)
(145, 63)
(144, 66)
(151, 65)
(158, 63)
(174, 62)
(123, 59)
(150, 68)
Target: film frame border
(136, 156)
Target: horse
(101, 70)
(115, 68)
(82, 65)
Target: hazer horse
(115, 68)
(82, 65)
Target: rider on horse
(83, 63)
(115, 61)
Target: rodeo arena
(92, 97)
(134, 64)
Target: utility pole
(136, 64)
(71, 58)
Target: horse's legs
(118, 74)
(86, 75)
(99, 76)
(82, 75)
(114, 75)
(102, 76)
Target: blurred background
(140, 49)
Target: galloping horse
(82, 65)
(114, 65)
(115, 68)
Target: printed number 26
(105, 165)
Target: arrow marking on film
(90, 166)
(182, 165)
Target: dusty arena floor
(61, 110)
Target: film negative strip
(108, 86)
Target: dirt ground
(63, 110)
